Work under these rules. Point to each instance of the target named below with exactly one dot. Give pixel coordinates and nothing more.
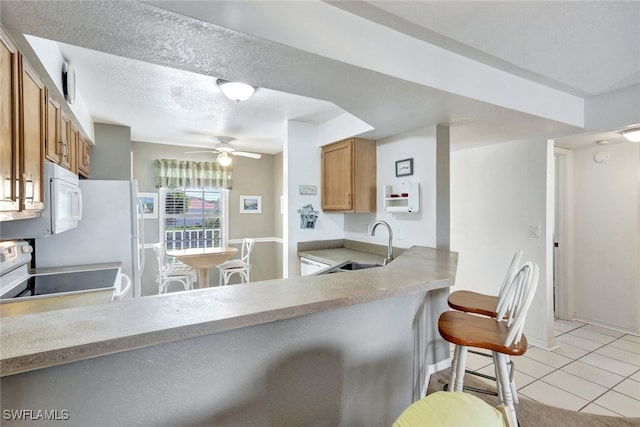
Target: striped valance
(189, 174)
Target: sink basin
(348, 266)
(354, 265)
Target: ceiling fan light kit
(223, 149)
(235, 91)
(632, 135)
(223, 159)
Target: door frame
(563, 234)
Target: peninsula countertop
(40, 340)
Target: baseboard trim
(432, 369)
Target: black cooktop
(44, 284)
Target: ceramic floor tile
(608, 364)
(521, 379)
(592, 408)
(531, 367)
(570, 351)
(593, 336)
(621, 355)
(627, 345)
(636, 376)
(605, 331)
(547, 357)
(578, 342)
(575, 385)
(475, 361)
(619, 403)
(629, 388)
(633, 338)
(550, 395)
(567, 325)
(593, 374)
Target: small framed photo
(404, 167)
(149, 202)
(308, 190)
(251, 204)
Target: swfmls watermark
(35, 414)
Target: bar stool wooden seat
(502, 335)
(477, 303)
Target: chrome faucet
(389, 257)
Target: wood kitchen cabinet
(65, 141)
(52, 138)
(349, 176)
(32, 136)
(22, 133)
(9, 120)
(84, 157)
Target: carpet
(534, 414)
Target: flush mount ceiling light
(223, 159)
(632, 135)
(235, 91)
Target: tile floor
(594, 370)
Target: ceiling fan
(223, 149)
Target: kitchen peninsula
(350, 348)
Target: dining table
(203, 259)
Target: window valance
(172, 173)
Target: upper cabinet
(349, 176)
(32, 135)
(9, 120)
(84, 157)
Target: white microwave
(63, 207)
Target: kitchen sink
(348, 266)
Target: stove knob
(27, 249)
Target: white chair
(502, 335)
(172, 271)
(241, 266)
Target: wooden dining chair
(502, 334)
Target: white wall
(409, 229)
(498, 192)
(606, 229)
(302, 166)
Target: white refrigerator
(111, 230)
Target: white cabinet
(403, 198)
(309, 266)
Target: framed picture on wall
(404, 167)
(251, 204)
(149, 202)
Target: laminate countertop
(41, 340)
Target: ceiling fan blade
(245, 154)
(198, 152)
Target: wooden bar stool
(502, 335)
(485, 305)
(477, 303)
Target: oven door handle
(121, 290)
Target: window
(193, 217)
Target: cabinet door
(53, 130)
(32, 138)
(337, 176)
(73, 149)
(8, 125)
(84, 158)
(65, 141)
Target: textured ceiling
(147, 67)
